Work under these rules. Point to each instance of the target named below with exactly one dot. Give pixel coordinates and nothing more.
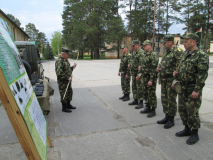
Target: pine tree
(89, 23)
(14, 19)
(187, 6)
(40, 39)
(48, 53)
(31, 30)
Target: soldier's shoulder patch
(202, 67)
(154, 64)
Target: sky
(46, 15)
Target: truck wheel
(28, 68)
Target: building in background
(16, 31)
(111, 50)
(211, 47)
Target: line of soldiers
(179, 73)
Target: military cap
(134, 42)
(167, 37)
(124, 46)
(147, 42)
(191, 36)
(65, 50)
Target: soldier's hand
(74, 65)
(137, 78)
(70, 79)
(129, 65)
(195, 94)
(158, 69)
(119, 74)
(126, 77)
(175, 73)
(173, 86)
(139, 68)
(149, 83)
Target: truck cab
(30, 53)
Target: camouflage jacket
(170, 62)
(62, 69)
(149, 63)
(125, 59)
(194, 67)
(134, 62)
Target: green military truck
(29, 53)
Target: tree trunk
(188, 18)
(167, 17)
(207, 26)
(118, 48)
(91, 56)
(96, 53)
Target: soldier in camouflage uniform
(64, 76)
(192, 73)
(169, 63)
(137, 89)
(148, 70)
(125, 80)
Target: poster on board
(21, 89)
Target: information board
(22, 91)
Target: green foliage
(88, 24)
(42, 49)
(48, 53)
(14, 19)
(56, 42)
(41, 40)
(35, 35)
(31, 30)
(74, 55)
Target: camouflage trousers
(137, 88)
(125, 84)
(62, 85)
(168, 98)
(189, 107)
(140, 90)
(150, 93)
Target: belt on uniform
(167, 76)
(185, 83)
(146, 75)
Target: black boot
(126, 98)
(147, 105)
(163, 121)
(152, 113)
(69, 106)
(64, 108)
(122, 97)
(170, 123)
(146, 110)
(134, 102)
(185, 132)
(140, 105)
(193, 138)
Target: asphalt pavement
(106, 128)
